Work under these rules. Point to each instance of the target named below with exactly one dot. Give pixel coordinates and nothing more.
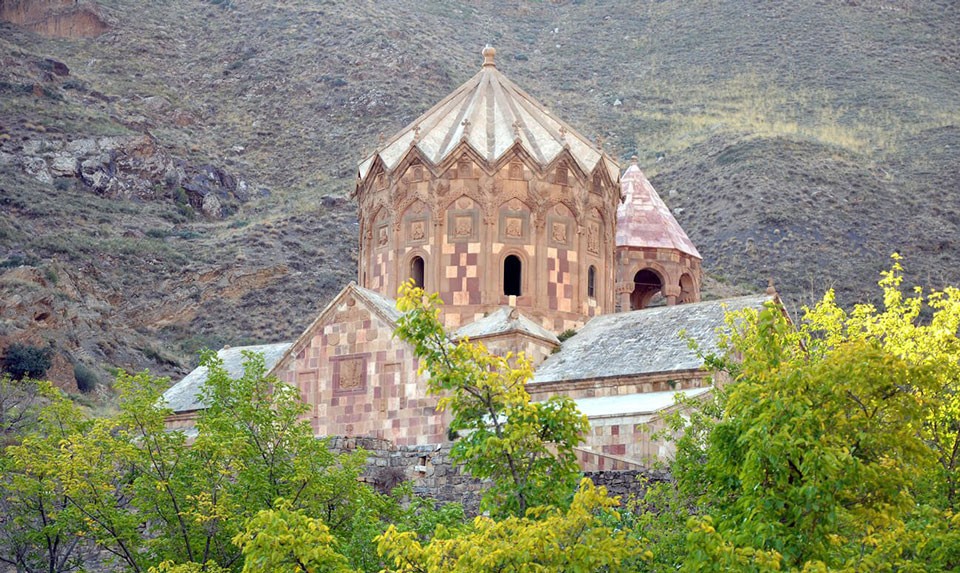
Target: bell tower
(655, 257)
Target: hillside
(173, 173)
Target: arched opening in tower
(646, 284)
(416, 271)
(688, 291)
(512, 275)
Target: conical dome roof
(643, 219)
(490, 114)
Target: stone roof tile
(644, 341)
(491, 115)
(504, 319)
(184, 396)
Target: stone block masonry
(435, 475)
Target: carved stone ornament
(514, 227)
(559, 232)
(417, 231)
(383, 237)
(464, 227)
(350, 374)
(593, 238)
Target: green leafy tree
(127, 485)
(37, 524)
(27, 361)
(525, 448)
(282, 539)
(831, 437)
(584, 537)
(20, 403)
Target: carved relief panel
(416, 226)
(463, 220)
(514, 223)
(561, 227)
(381, 229)
(594, 232)
(349, 374)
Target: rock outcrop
(127, 167)
(55, 18)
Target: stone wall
(626, 483)
(435, 476)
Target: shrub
(87, 379)
(26, 361)
(566, 334)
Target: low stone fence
(435, 476)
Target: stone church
(527, 230)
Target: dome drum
(490, 200)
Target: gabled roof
(184, 396)
(644, 341)
(381, 306)
(501, 321)
(490, 114)
(643, 219)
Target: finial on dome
(771, 290)
(633, 160)
(488, 53)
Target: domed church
(526, 229)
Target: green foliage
(138, 492)
(38, 524)
(581, 538)
(20, 401)
(87, 379)
(829, 450)
(567, 334)
(285, 540)
(14, 261)
(526, 448)
(27, 361)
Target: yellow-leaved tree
(835, 445)
(526, 448)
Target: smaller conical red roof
(643, 220)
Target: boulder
(211, 206)
(82, 147)
(97, 180)
(242, 192)
(330, 201)
(57, 68)
(36, 167)
(156, 103)
(65, 166)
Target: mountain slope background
(173, 173)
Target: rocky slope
(173, 177)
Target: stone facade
(357, 379)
